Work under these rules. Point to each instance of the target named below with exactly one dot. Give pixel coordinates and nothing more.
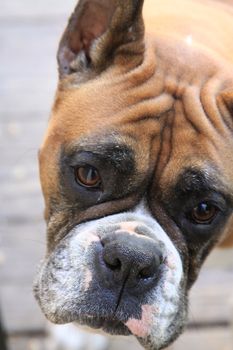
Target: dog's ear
(97, 32)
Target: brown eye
(204, 213)
(87, 176)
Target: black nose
(132, 260)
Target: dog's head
(137, 174)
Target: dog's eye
(87, 176)
(204, 213)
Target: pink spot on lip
(142, 328)
(170, 262)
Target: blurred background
(29, 34)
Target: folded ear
(95, 33)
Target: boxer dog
(137, 164)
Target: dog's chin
(115, 327)
(100, 325)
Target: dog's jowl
(137, 164)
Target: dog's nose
(133, 260)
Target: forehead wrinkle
(202, 179)
(108, 148)
(96, 143)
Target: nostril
(111, 259)
(113, 265)
(151, 268)
(102, 243)
(145, 273)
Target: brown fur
(160, 86)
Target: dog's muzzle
(122, 274)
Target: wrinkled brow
(193, 180)
(118, 154)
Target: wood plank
(211, 297)
(212, 339)
(29, 80)
(30, 9)
(22, 247)
(20, 311)
(220, 258)
(28, 343)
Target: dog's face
(137, 174)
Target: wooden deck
(29, 33)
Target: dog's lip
(108, 325)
